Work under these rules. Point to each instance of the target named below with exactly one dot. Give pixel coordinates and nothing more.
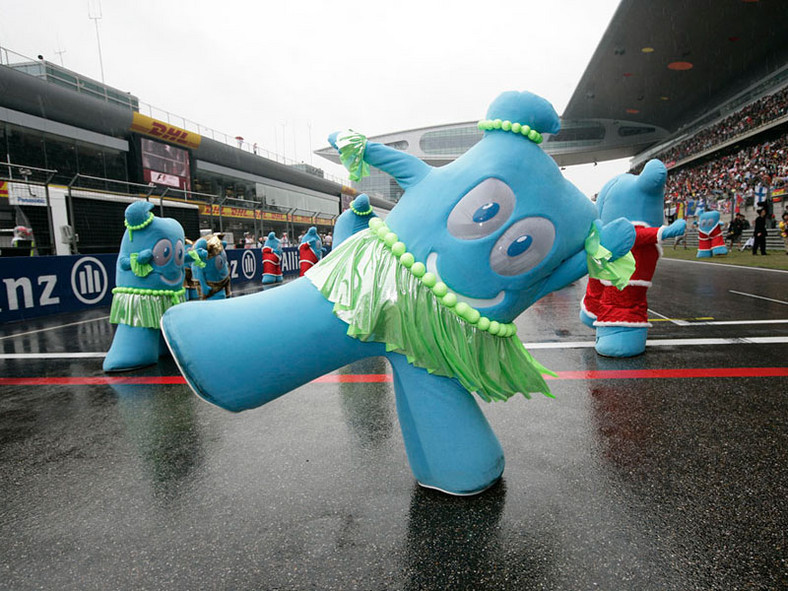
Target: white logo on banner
(89, 280)
(248, 264)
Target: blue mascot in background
(272, 260)
(621, 316)
(210, 268)
(435, 289)
(710, 239)
(310, 251)
(149, 280)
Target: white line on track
(675, 321)
(531, 346)
(739, 267)
(752, 295)
(21, 334)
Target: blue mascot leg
(280, 340)
(586, 319)
(353, 220)
(132, 347)
(719, 251)
(703, 254)
(449, 443)
(620, 341)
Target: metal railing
(61, 76)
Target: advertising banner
(39, 286)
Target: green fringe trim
(351, 146)
(197, 260)
(143, 307)
(139, 269)
(382, 301)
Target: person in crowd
(735, 229)
(784, 229)
(760, 233)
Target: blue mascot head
(636, 198)
(154, 247)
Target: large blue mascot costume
(435, 289)
(149, 279)
(621, 316)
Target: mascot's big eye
(179, 253)
(162, 252)
(483, 210)
(523, 246)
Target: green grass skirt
(382, 301)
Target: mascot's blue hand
(675, 229)
(618, 236)
(332, 139)
(125, 263)
(145, 256)
(203, 254)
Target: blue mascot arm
(145, 256)
(407, 170)
(618, 237)
(675, 229)
(125, 263)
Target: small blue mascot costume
(310, 251)
(272, 260)
(710, 239)
(435, 289)
(149, 280)
(621, 316)
(210, 269)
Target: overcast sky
(286, 73)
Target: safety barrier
(38, 286)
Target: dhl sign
(164, 131)
(251, 214)
(4, 189)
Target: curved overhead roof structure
(667, 62)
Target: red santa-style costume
(629, 307)
(306, 258)
(711, 240)
(272, 262)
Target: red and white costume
(272, 262)
(629, 306)
(711, 240)
(306, 258)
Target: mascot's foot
(703, 254)
(620, 341)
(287, 337)
(719, 251)
(270, 279)
(450, 445)
(133, 347)
(586, 319)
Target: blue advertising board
(38, 286)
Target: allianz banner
(38, 286)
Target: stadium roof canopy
(668, 62)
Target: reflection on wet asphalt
(615, 484)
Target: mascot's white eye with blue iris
(523, 246)
(482, 210)
(162, 252)
(180, 253)
(218, 262)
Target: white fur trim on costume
(625, 324)
(585, 310)
(637, 282)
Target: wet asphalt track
(619, 483)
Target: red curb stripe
(623, 374)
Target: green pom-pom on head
(506, 125)
(398, 249)
(497, 123)
(483, 323)
(525, 130)
(418, 269)
(516, 127)
(449, 300)
(533, 135)
(390, 238)
(407, 260)
(429, 279)
(440, 289)
(375, 223)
